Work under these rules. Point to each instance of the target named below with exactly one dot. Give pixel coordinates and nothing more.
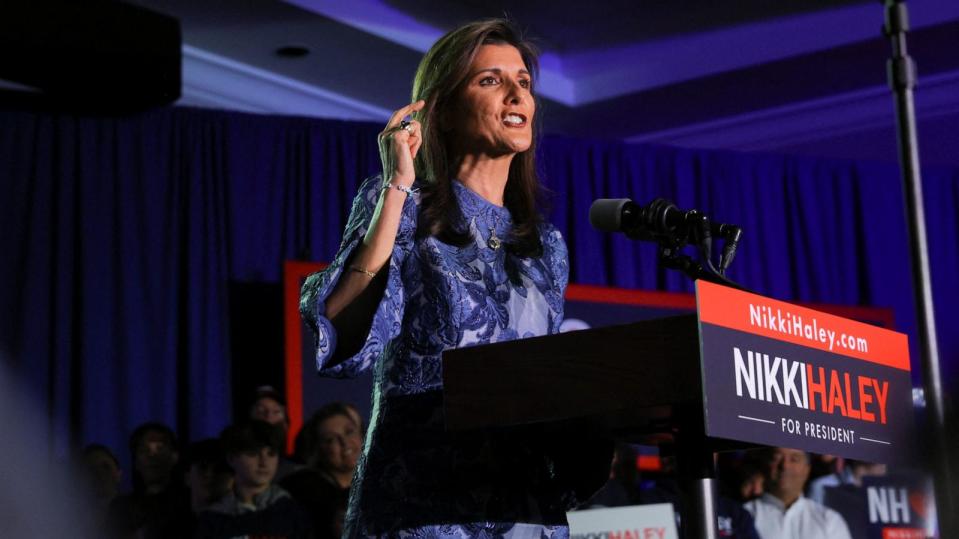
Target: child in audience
(255, 506)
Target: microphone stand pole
(902, 78)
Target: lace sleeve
(556, 257)
(389, 313)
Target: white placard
(654, 521)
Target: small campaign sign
(900, 507)
(896, 506)
(780, 374)
(654, 521)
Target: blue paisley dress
(414, 479)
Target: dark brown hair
(439, 79)
(251, 435)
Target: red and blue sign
(780, 374)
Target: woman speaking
(448, 249)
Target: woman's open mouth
(514, 119)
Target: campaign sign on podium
(654, 521)
(779, 374)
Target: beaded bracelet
(406, 189)
(364, 271)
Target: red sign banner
(766, 317)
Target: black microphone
(732, 234)
(659, 219)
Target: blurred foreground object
(38, 498)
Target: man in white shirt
(783, 512)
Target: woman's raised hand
(399, 144)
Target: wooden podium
(706, 380)
(634, 381)
(631, 378)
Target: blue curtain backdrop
(120, 236)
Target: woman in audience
(329, 444)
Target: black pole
(902, 79)
(696, 471)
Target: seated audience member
(824, 464)
(268, 407)
(782, 512)
(208, 476)
(254, 507)
(852, 473)
(155, 454)
(158, 498)
(622, 487)
(732, 521)
(741, 475)
(102, 471)
(329, 444)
